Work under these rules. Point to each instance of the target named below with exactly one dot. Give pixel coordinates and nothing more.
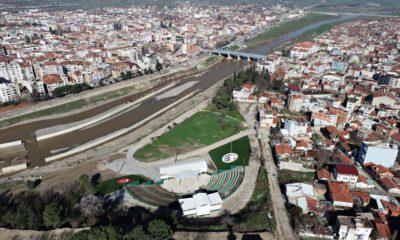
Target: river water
(37, 151)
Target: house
(294, 128)
(364, 197)
(243, 92)
(283, 150)
(379, 171)
(383, 97)
(323, 119)
(340, 195)
(363, 183)
(390, 185)
(379, 154)
(346, 173)
(295, 102)
(304, 49)
(302, 195)
(323, 175)
(350, 228)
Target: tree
(159, 66)
(52, 215)
(267, 78)
(32, 220)
(159, 230)
(315, 138)
(122, 75)
(128, 75)
(137, 233)
(278, 85)
(85, 184)
(91, 207)
(103, 233)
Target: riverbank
(288, 27)
(83, 101)
(309, 35)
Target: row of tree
(224, 99)
(68, 89)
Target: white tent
(181, 170)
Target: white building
(244, 92)
(295, 102)
(201, 204)
(346, 173)
(379, 154)
(301, 194)
(9, 92)
(295, 128)
(351, 228)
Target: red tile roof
(283, 148)
(346, 169)
(340, 192)
(394, 210)
(388, 183)
(323, 174)
(365, 196)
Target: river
(37, 151)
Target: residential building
(350, 228)
(378, 154)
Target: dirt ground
(12, 155)
(8, 234)
(216, 235)
(57, 180)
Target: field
(360, 6)
(111, 185)
(287, 176)
(240, 146)
(288, 27)
(201, 129)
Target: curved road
(37, 151)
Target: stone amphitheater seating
(152, 195)
(225, 182)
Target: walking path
(146, 79)
(283, 226)
(130, 165)
(242, 195)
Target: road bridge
(238, 55)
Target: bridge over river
(238, 55)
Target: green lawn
(226, 111)
(201, 129)
(255, 215)
(111, 185)
(240, 146)
(286, 176)
(210, 61)
(234, 48)
(288, 27)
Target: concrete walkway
(101, 90)
(130, 165)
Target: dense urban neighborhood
(198, 121)
(336, 123)
(42, 53)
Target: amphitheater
(159, 195)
